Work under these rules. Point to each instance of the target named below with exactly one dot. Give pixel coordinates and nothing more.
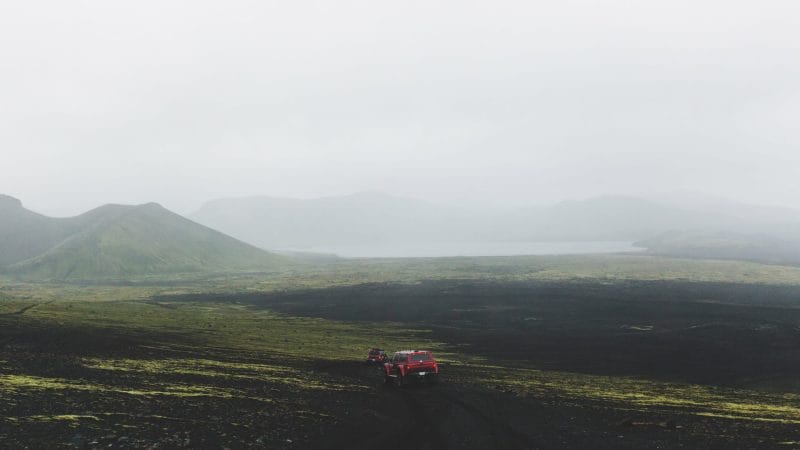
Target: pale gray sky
(455, 101)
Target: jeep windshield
(416, 357)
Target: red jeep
(376, 356)
(411, 365)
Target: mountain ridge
(376, 219)
(275, 222)
(119, 241)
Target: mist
(424, 224)
(465, 103)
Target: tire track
(423, 422)
(439, 398)
(433, 417)
(498, 428)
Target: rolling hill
(25, 234)
(119, 241)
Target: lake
(442, 249)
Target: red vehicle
(411, 365)
(376, 356)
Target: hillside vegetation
(24, 234)
(119, 242)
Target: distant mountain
(773, 249)
(371, 218)
(753, 217)
(607, 218)
(118, 241)
(363, 218)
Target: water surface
(442, 249)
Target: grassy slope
(25, 234)
(143, 240)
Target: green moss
(633, 393)
(12, 384)
(217, 369)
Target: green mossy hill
(25, 234)
(122, 242)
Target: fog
(468, 103)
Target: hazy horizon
(663, 198)
(467, 103)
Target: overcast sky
(453, 101)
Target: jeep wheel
(399, 381)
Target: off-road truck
(411, 366)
